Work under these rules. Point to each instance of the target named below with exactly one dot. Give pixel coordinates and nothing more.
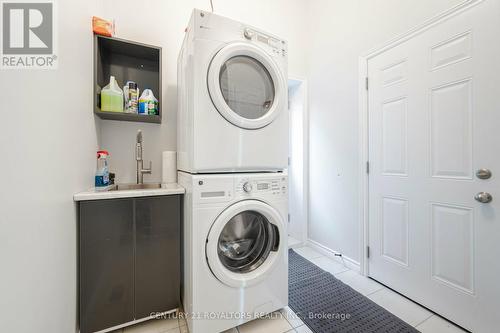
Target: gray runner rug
(327, 305)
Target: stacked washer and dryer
(232, 159)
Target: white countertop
(93, 194)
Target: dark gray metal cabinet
(106, 264)
(129, 259)
(157, 255)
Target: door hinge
(366, 83)
(368, 167)
(288, 217)
(289, 160)
(368, 252)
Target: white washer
(235, 258)
(232, 98)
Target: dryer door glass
(247, 87)
(246, 241)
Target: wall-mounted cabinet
(126, 61)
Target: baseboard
(350, 263)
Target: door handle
(483, 197)
(276, 243)
(483, 174)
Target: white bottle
(148, 104)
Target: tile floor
(286, 321)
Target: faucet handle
(148, 170)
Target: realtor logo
(28, 35)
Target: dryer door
(246, 86)
(243, 245)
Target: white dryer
(235, 258)
(232, 98)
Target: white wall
(163, 24)
(341, 31)
(47, 144)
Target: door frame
(305, 149)
(363, 110)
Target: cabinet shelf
(127, 61)
(155, 119)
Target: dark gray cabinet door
(106, 264)
(157, 257)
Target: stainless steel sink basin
(127, 187)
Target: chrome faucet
(138, 157)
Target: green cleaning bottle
(112, 97)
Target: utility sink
(128, 187)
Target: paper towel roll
(169, 167)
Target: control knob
(248, 33)
(247, 187)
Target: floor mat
(327, 305)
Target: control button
(248, 33)
(247, 187)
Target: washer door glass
(247, 87)
(246, 241)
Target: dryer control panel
(278, 47)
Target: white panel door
(434, 121)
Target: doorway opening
(298, 162)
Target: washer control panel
(274, 186)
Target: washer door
(246, 85)
(243, 245)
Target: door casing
(301, 83)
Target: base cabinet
(157, 256)
(129, 260)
